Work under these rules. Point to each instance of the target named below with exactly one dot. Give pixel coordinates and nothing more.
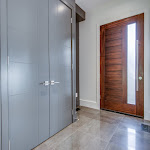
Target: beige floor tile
(100, 130)
(109, 117)
(82, 141)
(96, 144)
(82, 120)
(131, 139)
(77, 141)
(87, 114)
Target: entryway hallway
(100, 130)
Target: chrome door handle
(53, 82)
(137, 67)
(45, 83)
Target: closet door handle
(45, 83)
(53, 82)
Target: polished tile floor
(100, 130)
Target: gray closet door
(43, 70)
(23, 47)
(60, 70)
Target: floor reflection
(101, 130)
(131, 139)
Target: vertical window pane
(131, 64)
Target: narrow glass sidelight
(131, 64)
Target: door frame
(72, 6)
(139, 98)
(4, 68)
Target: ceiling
(87, 5)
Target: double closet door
(40, 71)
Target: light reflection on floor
(131, 139)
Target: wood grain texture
(114, 36)
(113, 66)
(113, 77)
(117, 61)
(113, 43)
(102, 79)
(113, 49)
(113, 30)
(102, 41)
(117, 84)
(115, 55)
(120, 107)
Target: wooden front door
(122, 65)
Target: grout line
(114, 132)
(69, 135)
(78, 129)
(64, 138)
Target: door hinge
(72, 66)
(71, 20)
(9, 144)
(76, 95)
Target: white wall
(89, 48)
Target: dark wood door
(122, 65)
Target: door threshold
(122, 113)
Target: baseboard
(90, 104)
(147, 115)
